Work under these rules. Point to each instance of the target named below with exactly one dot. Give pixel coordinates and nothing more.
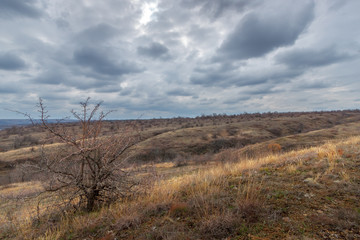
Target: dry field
(259, 177)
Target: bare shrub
(274, 147)
(86, 168)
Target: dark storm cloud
(155, 50)
(100, 62)
(24, 8)
(11, 62)
(257, 34)
(305, 58)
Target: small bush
(274, 147)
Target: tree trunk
(91, 199)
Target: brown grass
(225, 200)
(248, 193)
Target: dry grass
(237, 193)
(217, 202)
(166, 138)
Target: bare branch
(90, 165)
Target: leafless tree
(86, 168)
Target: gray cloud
(108, 89)
(24, 8)
(169, 58)
(83, 82)
(179, 92)
(258, 34)
(154, 50)
(10, 88)
(263, 90)
(216, 8)
(226, 76)
(211, 78)
(304, 58)
(101, 63)
(11, 62)
(51, 77)
(62, 23)
(312, 85)
(97, 34)
(125, 92)
(236, 100)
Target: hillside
(305, 194)
(164, 139)
(271, 176)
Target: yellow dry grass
(201, 183)
(28, 152)
(13, 202)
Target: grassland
(213, 178)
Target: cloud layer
(168, 58)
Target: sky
(169, 58)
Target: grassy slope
(174, 138)
(297, 141)
(310, 193)
(241, 199)
(210, 139)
